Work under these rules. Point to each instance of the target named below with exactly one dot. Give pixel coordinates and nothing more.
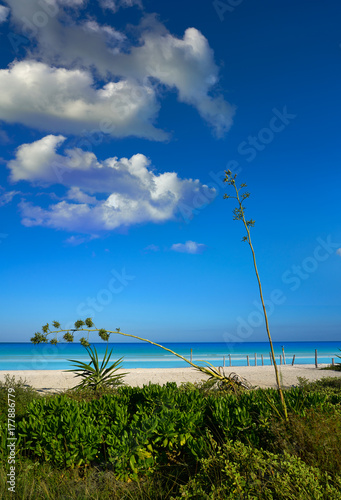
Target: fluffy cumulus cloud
(61, 100)
(188, 247)
(134, 72)
(101, 195)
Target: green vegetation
(335, 368)
(24, 394)
(97, 376)
(192, 441)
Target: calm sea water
(26, 356)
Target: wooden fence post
(333, 364)
(191, 355)
(230, 360)
(248, 361)
(270, 358)
(316, 358)
(280, 359)
(224, 361)
(293, 360)
(283, 355)
(255, 359)
(262, 360)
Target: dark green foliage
(89, 323)
(103, 334)
(79, 323)
(334, 368)
(24, 394)
(38, 338)
(238, 471)
(45, 328)
(315, 437)
(330, 387)
(217, 445)
(68, 337)
(84, 342)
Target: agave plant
(232, 382)
(97, 376)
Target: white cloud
(114, 5)
(152, 248)
(101, 195)
(33, 161)
(57, 99)
(69, 3)
(338, 251)
(79, 240)
(4, 11)
(186, 64)
(188, 247)
(7, 197)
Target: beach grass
(334, 368)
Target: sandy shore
(260, 376)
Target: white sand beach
(260, 376)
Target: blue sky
(117, 121)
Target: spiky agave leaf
(97, 375)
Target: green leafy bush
(142, 433)
(135, 430)
(314, 437)
(23, 394)
(238, 471)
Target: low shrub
(140, 434)
(314, 437)
(23, 394)
(239, 471)
(334, 368)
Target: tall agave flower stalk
(232, 381)
(239, 214)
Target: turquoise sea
(26, 356)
